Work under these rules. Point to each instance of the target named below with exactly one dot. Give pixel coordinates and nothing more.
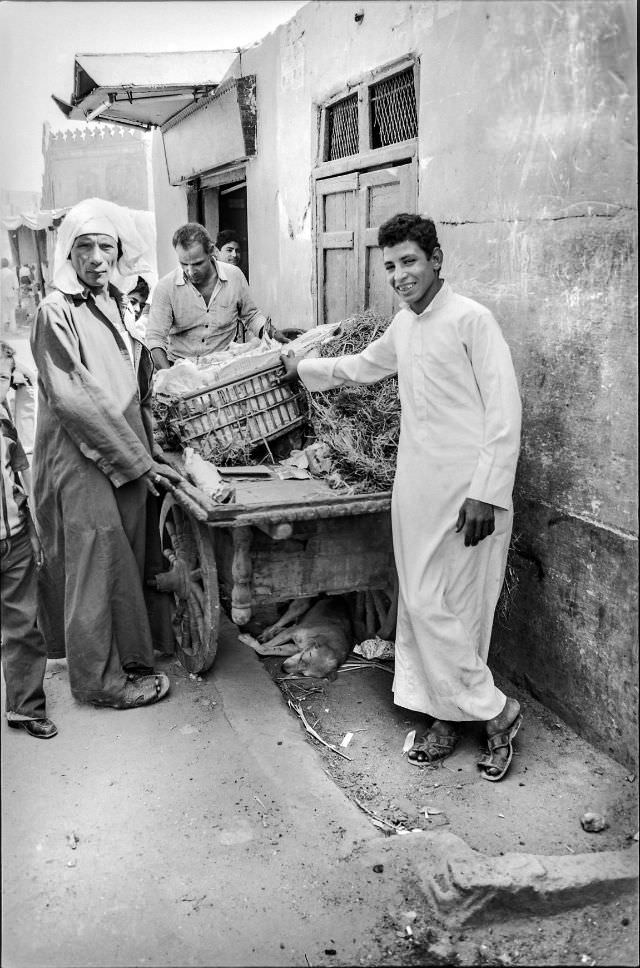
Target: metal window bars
(394, 115)
(342, 119)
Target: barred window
(342, 121)
(394, 117)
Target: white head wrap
(99, 217)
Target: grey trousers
(24, 653)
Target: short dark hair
(140, 290)
(225, 236)
(192, 234)
(409, 228)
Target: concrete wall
(527, 152)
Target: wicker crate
(241, 412)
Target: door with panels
(349, 211)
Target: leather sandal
(433, 747)
(502, 740)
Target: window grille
(394, 116)
(342, 120)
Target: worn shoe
(436, 745)
(40, 728)
(144, 690)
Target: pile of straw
(360, 425)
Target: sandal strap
(499, 740)
(437, 743)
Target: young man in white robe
(452, 495)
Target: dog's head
(318, 661)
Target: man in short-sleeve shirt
(203, 305)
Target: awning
(141, 89)
(44, 219)
(220, 130)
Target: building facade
(513, 125)
(102, 161)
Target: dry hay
(360, 425)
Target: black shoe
(40, 728)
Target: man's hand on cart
(161, 475)
(279, 335)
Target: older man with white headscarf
(93, 464)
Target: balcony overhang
(143, 90)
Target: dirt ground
(555, 777)
(211, 830)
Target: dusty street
(208, 831)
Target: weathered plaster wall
(170, 205)
(527, 162)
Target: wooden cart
(279, 540)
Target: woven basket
(240, 412)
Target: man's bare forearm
(160, 358)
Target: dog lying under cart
(317, 634)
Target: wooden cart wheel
(193, 580)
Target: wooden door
(349, 211)
(381, 194)
(335, 247)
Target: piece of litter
(631, 778)
(73, 840)
(636, 836)
(375, 648)
(380, 823)
(434, 813)
(593, 823)
(570, 849)
(409, 740)
(435, 785)
(72, 863)
(501, 815)
(408, 931)
(347, 739)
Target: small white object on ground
(409, 740)
(593, 822)
(376, 649)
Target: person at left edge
(24, 652)
(95, 463)
(203, 305)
